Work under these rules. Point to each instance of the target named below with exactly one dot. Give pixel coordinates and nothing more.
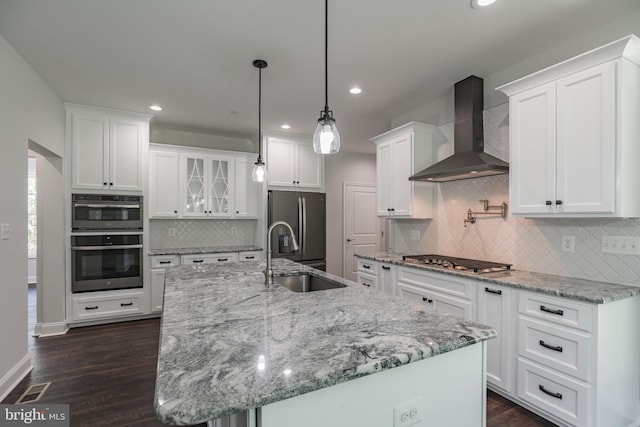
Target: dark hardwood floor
(107, 373)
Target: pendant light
(326, 139)
(259, 172)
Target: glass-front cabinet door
(207, 186)
(219, 187)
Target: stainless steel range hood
(469, 159)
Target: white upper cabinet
(164, 184)
(575, 136)
(292, 162)
(399, 154)
(107, 148)
(201, 183)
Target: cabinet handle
(550, 393)
(164, 262)
(95, 307)
(249, 257)
(197, 260)
(393, 209)
(126, 304)
(367, 266)
(558, 202)
(223, 259)
(175, 211)
(551, 347)
(384, 267)
(548, 203)
(425, 299)
(237, 212)
(366, 284)
(549, 310)
(111, 183)
(493, 291)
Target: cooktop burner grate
(462, 264)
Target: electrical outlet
(5, 230)
(415, 234)
(233, 230)
(408, 413)
(621, 245)
(172, 232)
(568, 243)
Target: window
(31, 209)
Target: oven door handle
(105, 205)
(101, 248)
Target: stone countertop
(578, 289)
(214, 250)
(228, 343)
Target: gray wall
(29, 110)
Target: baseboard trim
(14, 376)
(50, 329)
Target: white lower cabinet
(367, 273)
(494, 309)
(113, 305)
(387, 278)
(446, 294)
(158, 265)
(249, 256)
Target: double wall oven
(106, 242)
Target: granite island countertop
(568, 287)
(202, 250)
(228, 343)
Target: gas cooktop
(461, 264)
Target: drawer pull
(367, 266)
(126, 304)
(366, 284)
(195, 261)
(95, 307)
(493, 291)
(552, 311)
(551, 347)
(223, 259)
(550, 393)
(384, 267)
(425, 299)
(249, 257)
(164, 262)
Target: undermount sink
(307, 283)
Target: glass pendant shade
(326, 139)
(259, 172)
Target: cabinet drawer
(368, 280)
(96, 308)
(556, 394)
(367, 266)
(558, 348)
(438, 282)
(249, 256)
(160, 261)
(557, 310)
(209, 258)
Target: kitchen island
(230, 344)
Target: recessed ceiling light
(355, 90)
(479, 4)
(155, 107)
(285, 126)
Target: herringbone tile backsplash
(529, 244)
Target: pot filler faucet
(268, 273)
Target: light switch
(4, 231)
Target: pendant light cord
(260, 114)
(326, 55)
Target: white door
(360, 225)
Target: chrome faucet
(268, 273)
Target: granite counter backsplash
(578, 289)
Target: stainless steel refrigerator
(306, 213)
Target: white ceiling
(194, 57)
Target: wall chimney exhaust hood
(469, 159)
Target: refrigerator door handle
(300, 223)
(304, 226)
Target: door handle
(350, 240)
